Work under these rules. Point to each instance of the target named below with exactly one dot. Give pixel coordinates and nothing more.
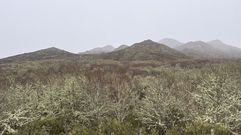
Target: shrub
(48, 126)
(199, 129)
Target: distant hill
(45, 54)
(172, 43)
(212, 49)
(100, 50)
(121, 47)
(146, 50)
(228, 50)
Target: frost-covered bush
(106, 99)
(158, 107)
(32, 102)
(218, 99)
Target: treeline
(121, 99)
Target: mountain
(121, 47)
(100, 50)
(172, 43)
(212, 49)
(228, 50)
(199, 49)
(146, 50)
(44, 54)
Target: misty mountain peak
(99, 50)
(211, 49)
(194, 44)
(172, 43)
(216, 42)
(145, 50)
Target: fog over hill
(228, 50)
(170, 42)
(99, 50)
(168, 50)
(211, 49)
(121, 47)
(120, 67)
(199, 49)
(146, 50)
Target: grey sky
(78, 25)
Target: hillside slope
(213, 49)
(146, 50)
(44, 54)
(228, 50)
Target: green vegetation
(104, 97)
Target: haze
(79, 25)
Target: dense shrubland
(112, 98)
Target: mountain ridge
(43, 54)
(145, 50)
(99, 50)
(212, 49)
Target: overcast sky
(78, 25)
